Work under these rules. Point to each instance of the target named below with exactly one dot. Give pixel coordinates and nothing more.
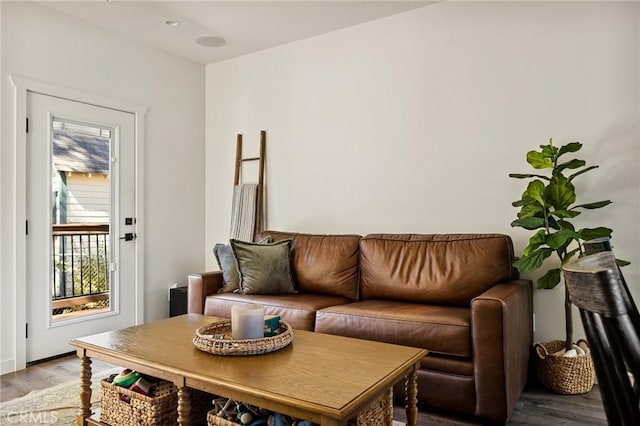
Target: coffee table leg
(411, 392)
(85, 389)
(184, 406)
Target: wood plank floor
(44, 375)
(536, 406)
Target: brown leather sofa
(455, 295)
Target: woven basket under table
(378, 413)
(124, 407)
(564, 375)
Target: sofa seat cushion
(323, 264)
(299, 310)
(442, 330)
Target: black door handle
(129, 236)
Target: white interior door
(80, 202)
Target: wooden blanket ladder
(238, 174)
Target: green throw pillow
(264, 268)
(228, 266)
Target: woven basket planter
(563, 375)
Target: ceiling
(246, 26)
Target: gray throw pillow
(264, 268)
(229, 267)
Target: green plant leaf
(535, 241)
(560, 179)
(550, 279)
(522, 202)
(593, 233)
(622, 263)
(563, 224)
(561, 238)
(529, 223)
(554, 224)
(549, 144)
(535, 190)
(526, 176)
(571, 177)
(595, 205)
(564, 214)
(549, 151)
(529, 210)
(559, 196)
(533, 260)
(539, 161)
(570, 147)
(573, 164)
(562, 250)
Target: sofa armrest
(202, 285)
(501, 334)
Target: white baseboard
(7, 366)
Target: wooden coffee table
(322, 378)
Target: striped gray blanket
(243, 211)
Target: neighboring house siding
(87, 198)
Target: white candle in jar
(247, 321)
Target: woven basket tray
(216, 339)
(378, 413)
(564, 375)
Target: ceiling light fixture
(211, 41)
(172, 22)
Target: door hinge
(26, 331)
(113, 266)
(26, 227)
(27, 128)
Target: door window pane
(80, 218)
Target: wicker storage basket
(215, 420)
(564, 375)
(124, 407)
(378, 413)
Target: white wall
(40, 44)
(412, 123)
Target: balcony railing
(80, 272)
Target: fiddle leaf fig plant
(547, 207)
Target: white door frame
(19, 239)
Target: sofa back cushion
(323, 264)
(447, 269)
